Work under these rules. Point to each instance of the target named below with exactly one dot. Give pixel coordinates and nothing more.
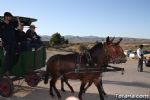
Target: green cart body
(26, 67)
(26, 62)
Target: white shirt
(139, 52)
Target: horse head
(97, 53)
(114, 51)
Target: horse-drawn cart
(26, 66)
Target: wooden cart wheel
(6, 87)
(32, 79)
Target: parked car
(127, 52)
(147, 60)
(133, 55)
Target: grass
(134, 46)
(76, 47)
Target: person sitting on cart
(21, 39)
(1, 45)
(7, 30)
(33, 40)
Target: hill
(92, 39)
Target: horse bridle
(107, 58)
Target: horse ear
(107, 39)
(119, 41)
(112, 39)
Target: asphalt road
(117, 86)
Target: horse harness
(93, 65)
(88, 65)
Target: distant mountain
(45, 38)
(78, 39)
(92, 39)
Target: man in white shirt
(140, 56)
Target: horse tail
(46, 77)
(48, 72)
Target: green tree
(57, 39)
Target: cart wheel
(32, 79)
(6, 87)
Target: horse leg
(89, 84)
(63, 79)
(101, 83)
(99, 88)
(62, 84)
(81, 90)
(51, 88)
(52, 83)
(66, 81)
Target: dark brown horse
(59, 65)
(118, 57)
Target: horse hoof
(72, 92)
(80, 99)
(105, 93)
(83, 91)
(63, 90)
(59, 97)
(51, 94)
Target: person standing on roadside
(140, 57)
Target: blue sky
(120, 18)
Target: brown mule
(59, 65)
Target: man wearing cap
(7, 33)
(32, 38)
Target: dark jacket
(20, 36)
(31, 35)
(7, 33)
